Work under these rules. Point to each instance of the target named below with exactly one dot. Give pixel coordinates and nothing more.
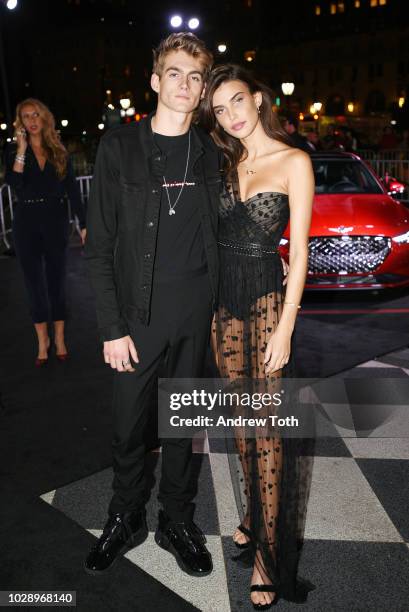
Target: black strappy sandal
(247, 533)
(268, 588)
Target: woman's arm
(301, 195)
(15, 160)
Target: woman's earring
(258, 109)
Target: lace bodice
(261, 219)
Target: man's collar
(149, 141)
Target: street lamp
(287, 89)
(176, 21)
(193, 23)
(125, 103)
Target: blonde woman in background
(40, 173)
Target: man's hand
(118, 352)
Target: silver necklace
(165, 183)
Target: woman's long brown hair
(233, 149)
(55, 151)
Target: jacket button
(158, 158)
(144, 287)
(154, 191)
(147, 255)
(150, 224)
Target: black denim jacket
(122, 220)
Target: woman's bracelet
(292, 304)
(21, 159)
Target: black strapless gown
(271, 476)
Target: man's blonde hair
(182, 41)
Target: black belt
(249, 249)
(41, 200)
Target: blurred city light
(312, 109)
(193, 23)
(250, 56)
(125, 103)
(176, 21)
(64, 122)
(11, 4)
(317, 106)
(111, 106)
(130, 111)
(222, 48)
(3, 126)
(401, 101)
(287, 88)
(350, 107)
(101, 126)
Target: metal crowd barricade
(393, 163)
(6, 207)
(84, 183)
(6, 213)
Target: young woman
(41, 175)
(268, 182)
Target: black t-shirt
(180, 248)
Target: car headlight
(402, 238)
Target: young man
(152, 258)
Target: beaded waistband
(249, 249)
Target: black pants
(179, 329)
(40, 232)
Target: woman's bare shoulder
(297, 160)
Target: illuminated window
(333, 9)
(318, 10)
(374, 3)
(382, 2)
(341, 7)
(357, 3)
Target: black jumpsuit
(40, 231)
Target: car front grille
(347, 254)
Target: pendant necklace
(172, 206)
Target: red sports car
(359, 236)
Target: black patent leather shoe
(186, 542)
(121, 533)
